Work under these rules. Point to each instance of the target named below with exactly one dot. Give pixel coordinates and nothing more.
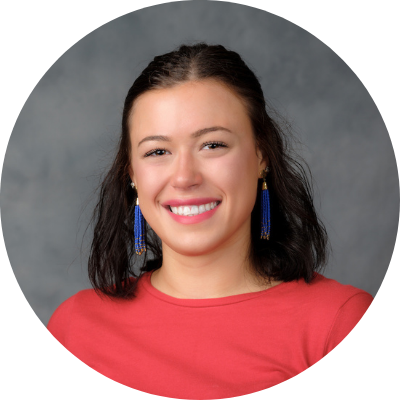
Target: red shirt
(208, 348)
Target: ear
(263, 162)
(130, 171)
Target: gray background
(67, 131)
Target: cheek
(238, 175)
(147, 181)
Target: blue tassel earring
(265, 209)
(140, 244)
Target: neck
(225, 271)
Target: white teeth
(194, 210)
(190, 211)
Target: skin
(205, 259)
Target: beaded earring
(139, 226)
(265, 209)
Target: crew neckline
(211, 302)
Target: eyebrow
(196, 134)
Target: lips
(189, 202)
(191, 210)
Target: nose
(185, 172)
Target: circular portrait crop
(200, 200)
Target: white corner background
(34, 34)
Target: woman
(228, 300)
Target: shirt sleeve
(347, 318)
(60, 320)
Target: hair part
(298, 244)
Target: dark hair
(298, 243)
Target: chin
(194, 249)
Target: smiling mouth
(191, 211)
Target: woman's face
(195, 164)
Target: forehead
(186, 108)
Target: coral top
(208, 348)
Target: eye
(156, 153)
(213, 145)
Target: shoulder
(89, 309)
(327, 297)
(60, 321)
(87, 297)
(328, 291)
(323, 297)
(340, 307)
